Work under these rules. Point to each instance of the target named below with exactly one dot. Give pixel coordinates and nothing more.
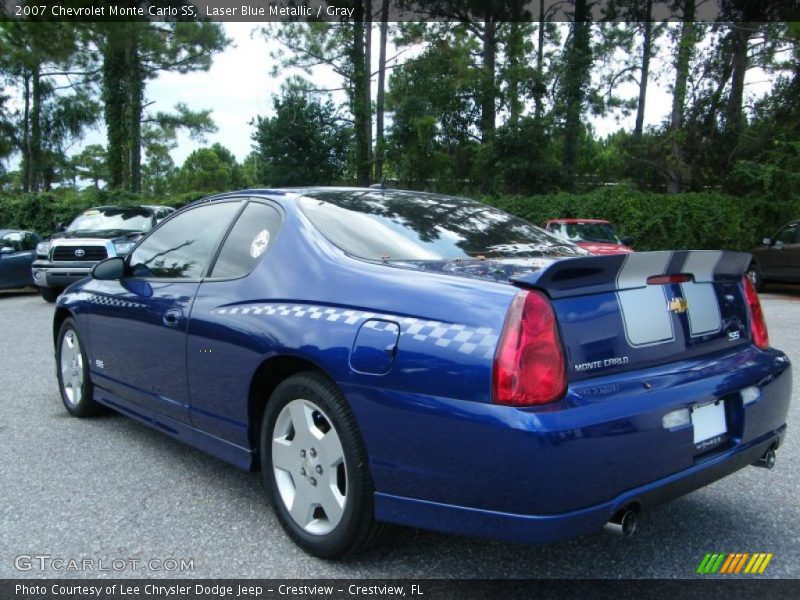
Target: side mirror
(109, 269)
(627, 240)
(767, 241)
(60, 226)
(6, 250)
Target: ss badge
(733, 335)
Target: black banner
(399, 10)
(423, 589)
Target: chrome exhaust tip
(623, 523)
(767, 461)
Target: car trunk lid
(615, 314)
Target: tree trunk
(733, 114)
(645, 72)
(380, 149)
(26, 138)
(514, 52)
(114, 102)
(35, 154)
(489, 95)
(361, 110)
(368, 80)
(579, 63)
(677, 169)
(135, 78)
(539, 88)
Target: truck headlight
(43, 249)
(122, 248)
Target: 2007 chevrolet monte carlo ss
(401, 357)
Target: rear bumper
(59, 275)
(565, 469)
(463, 520)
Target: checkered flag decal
(462, 338)
(111, 301)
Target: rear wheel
(48, 294)
(315, 468)
(755, 276)
(73, 373)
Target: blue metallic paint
(442, 455)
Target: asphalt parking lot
(109, 488)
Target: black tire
(754, 273)
(357, 530)
(48, 294)
(83, 405)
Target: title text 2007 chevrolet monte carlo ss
(400, 357)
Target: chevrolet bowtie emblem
(677, 305)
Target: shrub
(701, 221)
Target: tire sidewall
(343, 536)
(85, 407)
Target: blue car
(402, 357)
(17, 252)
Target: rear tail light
(758, 326)
(529, 364)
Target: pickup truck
(94, 235)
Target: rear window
(409, 226)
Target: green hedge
(701, 221)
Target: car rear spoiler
(616, 272)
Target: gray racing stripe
(703, 305)
(644, 307)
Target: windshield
(409, 226)
(586, 232)
(112, 219)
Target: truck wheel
(48, 294)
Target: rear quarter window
(249, 240)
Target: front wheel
(48, 294)
(72, 368)
(315, 468)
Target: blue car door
(18, 251)
(139, 323)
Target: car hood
(604, 248)
(115, 235)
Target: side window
(182, 247)
(248, 241)
(12, 240)
(787, 234)
(30, 242)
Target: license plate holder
(710, 427)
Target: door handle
(172, 317)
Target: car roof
(138, 207)
(572, 221)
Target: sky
(239, 86)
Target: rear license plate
(709, 425)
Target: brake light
(668, 279)
(529, 364)
(758, 325)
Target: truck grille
(79, 253)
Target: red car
(595, 235)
